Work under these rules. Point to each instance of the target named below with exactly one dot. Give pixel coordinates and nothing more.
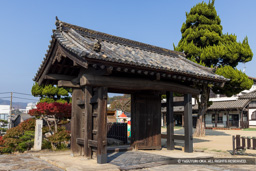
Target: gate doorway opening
(118, 122)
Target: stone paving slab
(124, 159)
(25, 162)
(151, 160)
(202, 168)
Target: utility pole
(10, 113)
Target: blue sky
(26, 28)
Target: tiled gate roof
(116, 50)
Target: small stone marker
(38, 135)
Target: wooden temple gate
(89, 115)
(94, 63)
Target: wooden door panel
(147, 120)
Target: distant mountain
(15, 105)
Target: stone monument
(38, 135)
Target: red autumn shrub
(1, 141)
(60, 110)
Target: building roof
(116, 50)
(251, 95)
(234, 104)
(122, 116)
(253, 78)
(111, 118)
(218, 105)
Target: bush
(1, 141)
(61, 138)
(27, 141)
(19, 138)
(46, 144)
(5, 150)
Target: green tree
(50, 93)
(203, 42)
(120, 102)
(3, 124)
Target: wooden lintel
(92, 143)
(179, 103)
(178, 137)
(58, 77)
(134, 84)
(80, 141)
(63, 83)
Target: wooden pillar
(170, 121)
(133, 119)
(182, 119)
(76, 121)
(216, 119)
(242, 120)
(204, 120)
(88, 122)
(228, 119)
(102, 126)
(188, 123)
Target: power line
(23, 94)
(5, 93)
(24, 98)
(17, 98)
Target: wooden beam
(80, 141)
(179, 103)
(170, 121)
(188, 123)
(82, 62)
(58, 77)
(135, 84)
(178, 137)
(63, 83)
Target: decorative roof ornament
(97, 46)
(57, 22)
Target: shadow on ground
(208, 132)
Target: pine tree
(50, 93)
(203, 42)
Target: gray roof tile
(80, 41)
(251, 95)
(234, 104)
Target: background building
(4, 113)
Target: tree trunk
(55, 124)
(49, 126)
(202, 108)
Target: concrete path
(25, 162)
(203, 168)
(117, 161)
(146, 160)
(216, 140)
